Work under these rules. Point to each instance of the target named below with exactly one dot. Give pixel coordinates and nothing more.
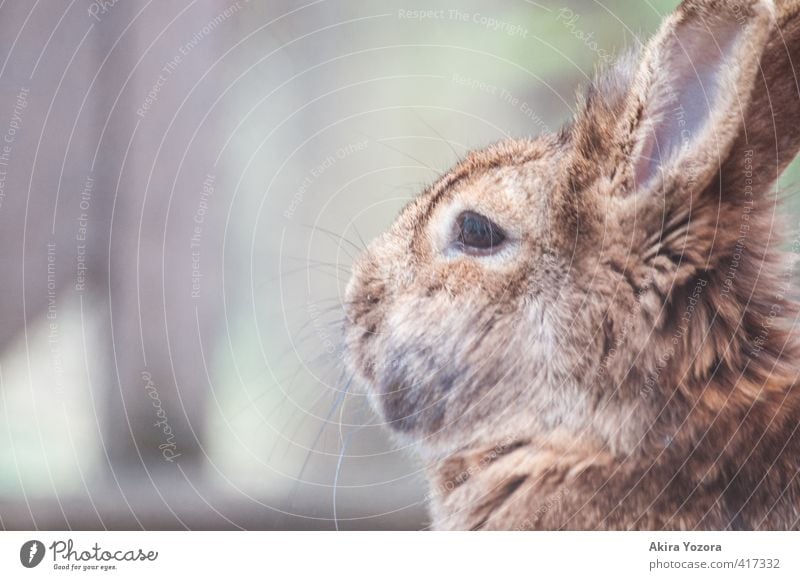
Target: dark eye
(477, 234)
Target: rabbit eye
(477, 234)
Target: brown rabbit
(594, 329)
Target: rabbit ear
(770, 134)
(687, 99)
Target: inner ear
(696, 61)
(692, 88)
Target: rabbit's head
(562, 286)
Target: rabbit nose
(350, 290)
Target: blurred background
(183, 187)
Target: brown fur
(627, 360)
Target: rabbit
(593, 329)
